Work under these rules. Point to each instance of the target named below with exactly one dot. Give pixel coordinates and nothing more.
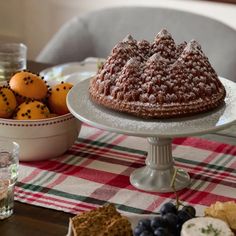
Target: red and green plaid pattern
(96, 170)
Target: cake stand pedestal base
(158, 173)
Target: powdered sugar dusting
(128, 38)
(132, 63)
(164, 34)
(156, 57)
(193, 46)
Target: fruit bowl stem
(158, 173)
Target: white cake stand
(158, 172)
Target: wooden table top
(32, 220)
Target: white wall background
(34, 22)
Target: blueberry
(146, 233)
(183, 216)
(161, 232)
(190, 209)
(157, 222)
(168, 208)
(172, 220)
(145, 223)
(138, 230)
(178, 229)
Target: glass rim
(7, 48)
(16, 146)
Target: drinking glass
(9, 163)
(12, 59)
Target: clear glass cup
(12, 59)
(9, 164)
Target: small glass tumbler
(9, 164)
(12, 59)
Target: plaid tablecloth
(96, 170)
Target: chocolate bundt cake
(157, 80)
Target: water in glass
(8, 177)
(12, 59)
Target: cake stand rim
(71, 107)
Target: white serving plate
(72, 72)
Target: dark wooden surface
(29, 220)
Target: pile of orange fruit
(28, 97)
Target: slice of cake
(157, 80)
(103, 221)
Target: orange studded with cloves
(7, 102)
(32, 110)
(57, 98)
(28, 85)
